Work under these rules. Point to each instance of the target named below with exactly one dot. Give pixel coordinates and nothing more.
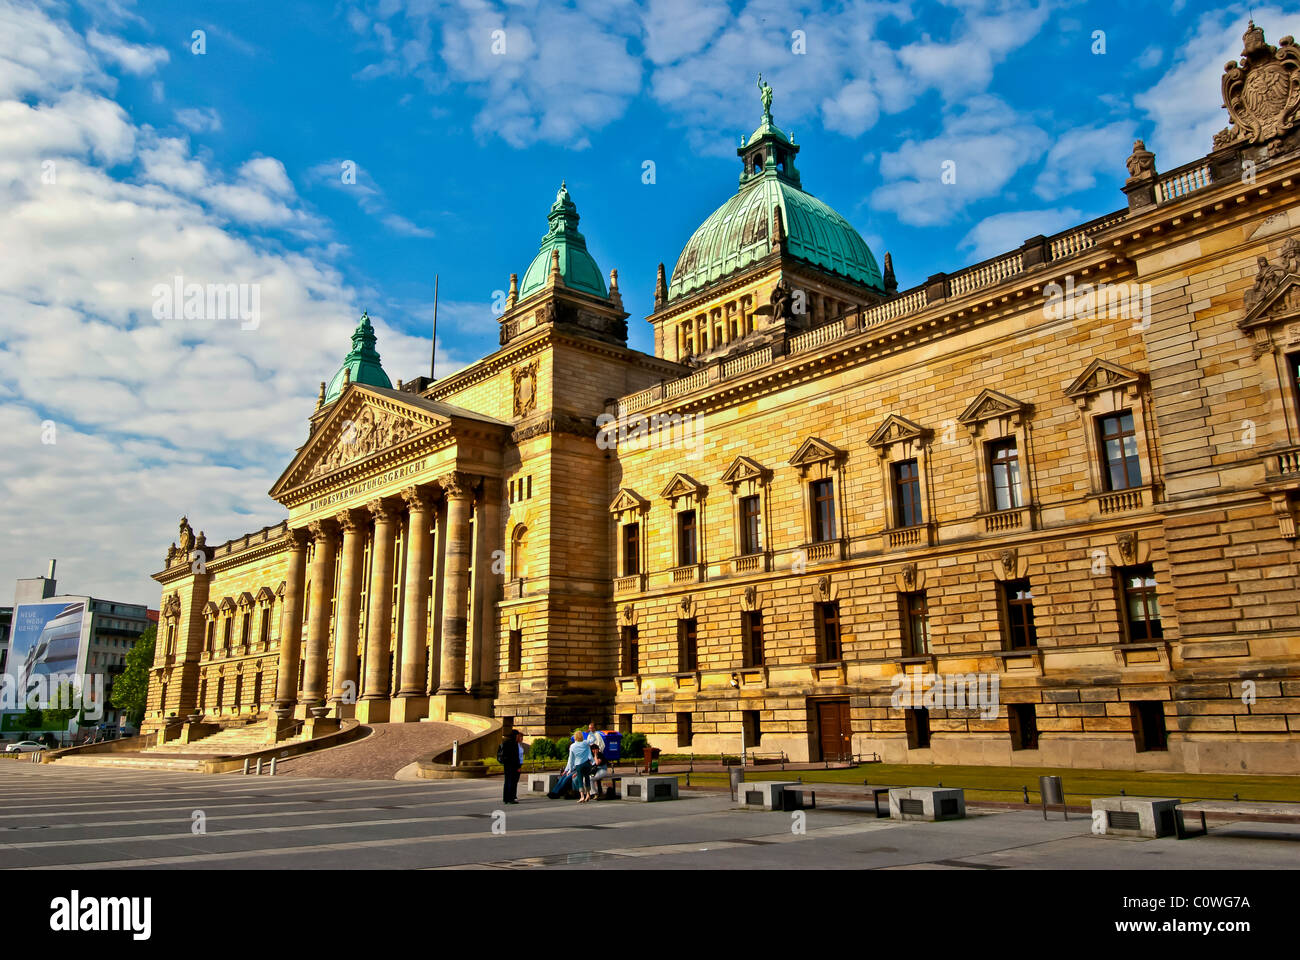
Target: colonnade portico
(328, 618)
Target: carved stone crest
(525, 378)
(1261, 90)
(1141, 163)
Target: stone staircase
(231, 742)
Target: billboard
(46, 639)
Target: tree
(131, 688)
(61, 708)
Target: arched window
(518, 560)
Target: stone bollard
(259, 766)
(246, 766)
(273, 759)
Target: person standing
(510, 755)
(596, 739)
(580, 765)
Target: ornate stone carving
(824, 587)
(1270, 274)
(321, 530)
(751, 594)
(1008, 560)
(1128, 547)
(456, 484)
(909, 576)
(417, 498)
(687, 607)
(381, 510)
(1261, 90)
(525, 379)
(186, 538)
(629, 613)
(373, 430)
(348, 521)
(1141, 163)
(297, 537)
(780, 300)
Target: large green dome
(577, 268)
(738, 233)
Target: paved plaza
(70, 817)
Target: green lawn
(1006, 783)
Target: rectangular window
(515, 654)
(751, 630)
(529, 494)
(752, 727)
(1023, 721)
(823, 510)
(749, 531)
(631, 651)
(625, 723)
(246, 627)
(1140, 604)
(1004, 474)
(684, 735)
(686, 553)
(1149, 725)
(687, 645)
(631, 549)
(212, 627)
(907, 493)
(1119, 451)
(230, 629)
(1018, 605)
(1293, 368)
(915, 617)
(827, 624)
(917, 721)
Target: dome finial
(765, 93)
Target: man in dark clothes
(511, 756)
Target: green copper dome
(362, 362)
(577, 268)
(739, 233)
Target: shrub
(634, 745)
(543, 749)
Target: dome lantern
(361, 365)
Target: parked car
(24, 746)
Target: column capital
(297, 538)
(417, 498)
(382, 511)
(349, 521)
(457, 484)
(322, 530)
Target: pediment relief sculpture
(372, 430)
(1270, 278)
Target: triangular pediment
(628, 500)
(989, 405)
(245, 599)
(897, 429)
(814, 450)
(227, 605)
(265, 595)
(367, 421)
(1282, 303)
(683, 485)
(745, 468)
(1102, 375)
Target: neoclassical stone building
(1066, 475)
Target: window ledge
(1109, 502)
(904, 538)
(822, 551)
(1148, 654)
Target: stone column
(318, 626)
(482, 672)
(373, 706)
(414, 669)
(455, 601)
(347, 614)
(439, 586)
(286, 680)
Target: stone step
(133, 763)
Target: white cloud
(133, 58)
(1080, 154)
(154, 418)
(199, 119)
(1004, 232)
(980, 147)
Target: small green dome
(738, 234)
(362, 362)
(577, 268)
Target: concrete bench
(765, 794)
(1135, 816)
(927, 803)
(649, 788)
(1258, 811)
(542, 783)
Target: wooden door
(835, 729)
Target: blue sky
(225, 167)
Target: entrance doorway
(835, 730)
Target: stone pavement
(377, 756)
(96, 818)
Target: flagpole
(433, 353)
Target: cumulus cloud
(133, 58)
(152, 415)
(1080, 154)
(1004, 232)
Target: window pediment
(264, 595)
(815, 450)
(683, 485)
(227, 605)
(211, 610)
(992, 405)
(1101, 376)
(898, 429)
(743, 469)
(1283, 303)
(246, 599)
(629, 500)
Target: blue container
(613, 744)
